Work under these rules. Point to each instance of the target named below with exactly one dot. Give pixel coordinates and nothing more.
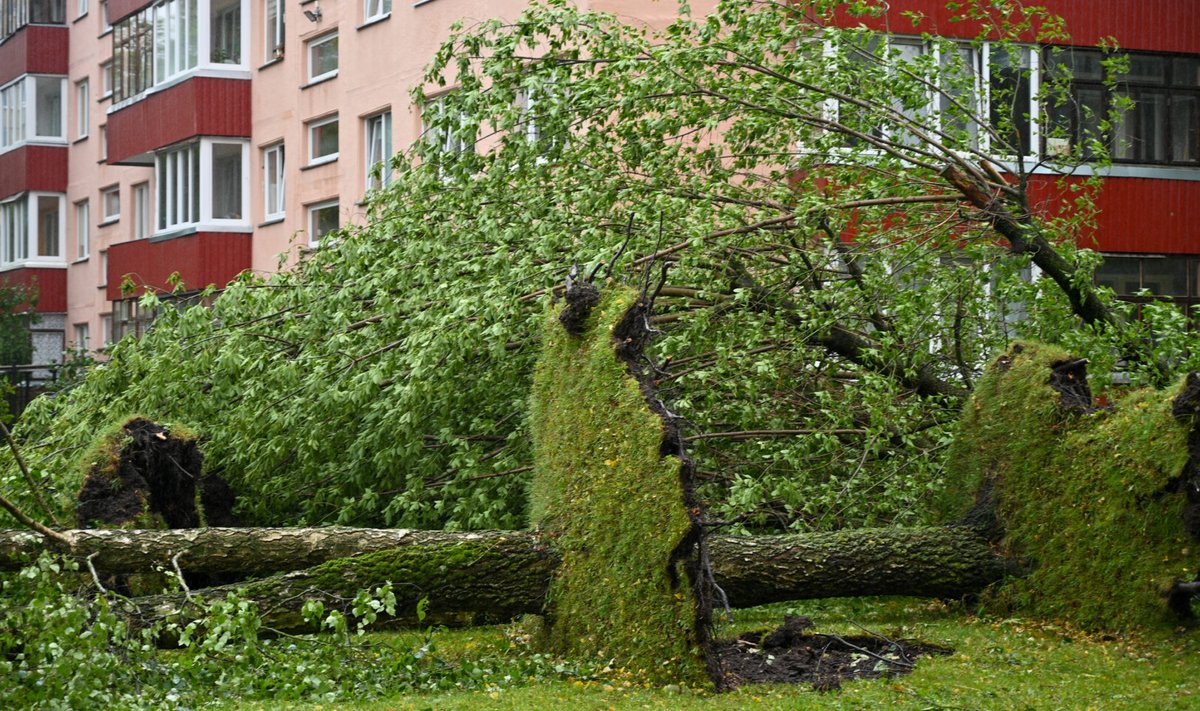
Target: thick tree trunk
(494, 576)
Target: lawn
(998, 663)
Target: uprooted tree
(1098, 536)
(385, 380)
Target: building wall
(89, 173)
(381, 61)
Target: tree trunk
(491, 576)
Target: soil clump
(793, 654)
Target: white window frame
(83, 230)
(1035, 110)
(106, 330)
(178, 181)
(376, 10)
(103, 269)
(143, 226)
(19, 116)
(104, 143)
(311, 212)
(311, 49)
(275, 26)
(26, 244)
(82, 335)
(83, 108)
(446, 141)
(106, 79)
(378, 149)
(105, 26)
(312, 127)
(81, 8)
(114, 192)
(274, 168)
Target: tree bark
(491, 576)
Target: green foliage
(385, 380)
(64, 648)
(614, 506)
(1083, 496)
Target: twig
(868, 652)
(754, 434)
(33, 487)
(187, 592)
(92, 569)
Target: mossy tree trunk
(492, 576)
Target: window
(105, 27)
(323, 58)
(202, 183)
(32, 108)
(376, 9)
(106, 330)
(227, 184)
(447, 135)
(322, 219)
(141, 211)
(1011, 89)
(178, 172)
(83, 229)
(1162, 92)
(323, 140)
(82, 109)
(273, 12)
(164, 41)
(15, 14)
(104, 143)
(81, 338)
(225, 40)
(31, 229)
(1170, 276)
(82, 8)
(273, 182)
(103, 268)
(106, 80)
(378, 136)
(110, 204)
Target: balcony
(199, 106)
(34, 49)
(179, 72)
(199, 259)
(33, 167)
(51, 285)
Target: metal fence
(27, 382)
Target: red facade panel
(34, 49)
(33, 168)
(120, 9)
(1140, 214)
(1159, 25)
(202, 106)
(200, 259)
(51, 286)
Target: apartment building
(145, 143)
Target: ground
(997, 663)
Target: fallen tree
(494, 576)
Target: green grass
(997, 664)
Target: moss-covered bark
(613, 503)
(470, 578)
(1083, 495)
(479, 577)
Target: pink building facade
(150, 142)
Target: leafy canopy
(829, 294)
